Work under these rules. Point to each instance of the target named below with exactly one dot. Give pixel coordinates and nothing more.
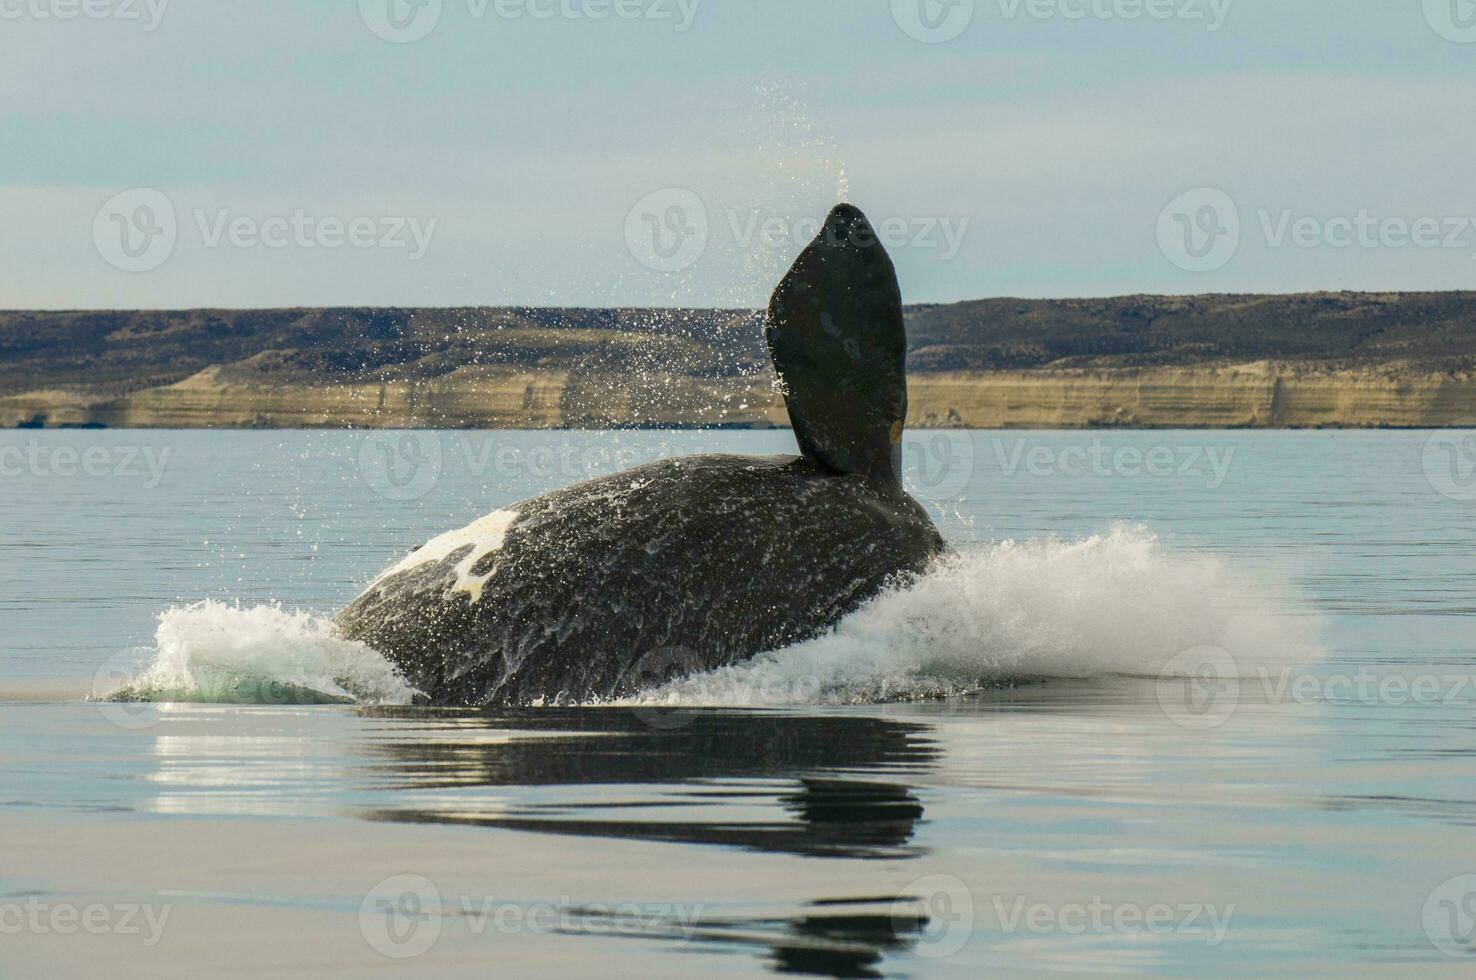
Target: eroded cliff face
(1257, 395)
(1239, 395)
(1323, 359)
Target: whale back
(835, 333)
(617, 584)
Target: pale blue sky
(1049, 146)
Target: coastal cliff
(1319, 360)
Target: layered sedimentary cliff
(1406, 360)
(1252, 395)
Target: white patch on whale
(485, 536)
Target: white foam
(215, 652)
(1118, 603)
(485, 535)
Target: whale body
(617, 584)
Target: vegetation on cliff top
(123, 351)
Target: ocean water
(1180, 704)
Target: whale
(609, 587)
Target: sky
(215, 153)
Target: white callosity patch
(482, 536)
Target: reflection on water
(723, 780)
(1328, 815)
(1052, 794)
(843, 938)
(833, 819)
(830, 786)
(810, 827)
(760, 766)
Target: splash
(217, 653)
(1115, 604)
(1118, 603)
(799, 168)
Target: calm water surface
(1306, 820)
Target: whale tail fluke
(835, 332)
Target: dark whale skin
(836, 335)
(614, 585)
